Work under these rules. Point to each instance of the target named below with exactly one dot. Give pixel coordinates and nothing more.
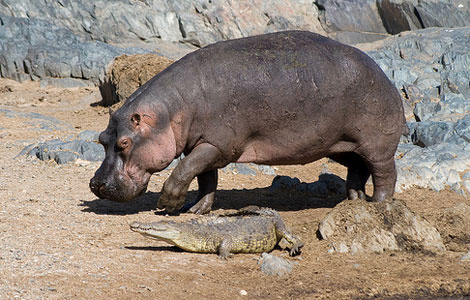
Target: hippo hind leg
(384, 177)
(358, 174)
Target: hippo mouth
(121, 189)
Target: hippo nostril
(102, 189)
(98, 188)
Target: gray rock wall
(432, 69)
(35, 49)
(76, 39)
(198, 22)
(201, 22)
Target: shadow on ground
(160, 248)
(281, 200)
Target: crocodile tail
(266, 211)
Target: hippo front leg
(202, 159)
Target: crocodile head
(167, 231)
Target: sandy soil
(58, 241)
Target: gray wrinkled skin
(291, 97)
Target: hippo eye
(123, 143)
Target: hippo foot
(380, 196)
(203, 206)
(170, 204)
(356, 194)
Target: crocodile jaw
(157, 230)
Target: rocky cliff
(64, 38)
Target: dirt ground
(58, 241)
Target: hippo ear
(111, 113)
(135, 119)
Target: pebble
(466, 257)
(273, 265)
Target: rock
(433, 61)
(127, 73)
(64, 157)
(273, 265)
(352, 22)
(88, 136)
(86, 147)
(465, 257)
(32, 49)
(398, 15)
(432, 167)
(199, 22)
(441, 152)
(451, 107)
(236, 168)
(431, 67)
(425, 110)
(249, 169)
(428, 133)
(442, 13)
(359, 226)
(72, 39)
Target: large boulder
(352, 22)
(399, 15)
(84, 146)
(359, 226)
(36, 49)
(403, 15)
(127, 73)
(444, 13)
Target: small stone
(243, 292)
(342, 248)
(466, 257)
(273, 265)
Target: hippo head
(138, 142)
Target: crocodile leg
(225, 248)
(282, 232)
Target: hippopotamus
(289, 97)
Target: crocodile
(256, 231)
